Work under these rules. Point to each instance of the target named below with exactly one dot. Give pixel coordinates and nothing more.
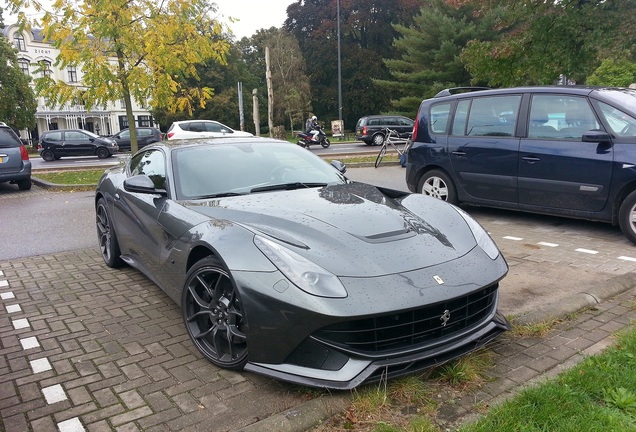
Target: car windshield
(624, 98)
(207, 171)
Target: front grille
(411, 329)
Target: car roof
(461, 92)
(193, 142)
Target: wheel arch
(620, 197)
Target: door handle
(531, 159)
(458, 153)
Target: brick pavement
(111, 352)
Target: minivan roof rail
(456, 90)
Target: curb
(61, 187)
(613, 287)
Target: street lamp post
(339, 67)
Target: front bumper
(287, 327)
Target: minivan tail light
(24, 154)
(417, 118)
(364, 130)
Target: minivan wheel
(437, 184)
(627, 217)
(378, 139)
(48, 155)
(24, 184)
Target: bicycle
(388, 141)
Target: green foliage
(467, 370)
(430, 52)
(621, 398)
(536, 41)
(620, 73)
(18, 103)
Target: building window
(122, 103)
(144, 121)
(18, 41)
(45, 68)
(24, 66)
(72, 74)
(123, 122)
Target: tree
(154, 44)
(366, 37)
(538, 41)
(18, 103)
(620, 73)
(429, 52)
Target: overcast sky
(252, 15)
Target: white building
(33, 51)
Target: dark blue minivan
(559, 150)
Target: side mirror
(339, 166)
(142, 184)
(596, 136)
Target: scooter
(306, 139)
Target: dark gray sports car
(284, 267)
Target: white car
(202, 129)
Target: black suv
(370, 129)
(15, 166)
(55, 144)
(559, 150)
(145, 136)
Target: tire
(48, 155)
(213, 316)
(325, 143)
(106, 237)
(367, 142)
(378, 139)
(380, 156)
(102, 153)
(627, 216)
(437, 184)
(24, 184)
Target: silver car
(202, 129)
(15, 166)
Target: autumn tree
(18, 103)
(130, 49)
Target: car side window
(461, 115)
(405, 122)
(620, 123)
(440, 114)
(75, 136)
(151, 163)
(214, 127)
(143, 132)
(374, 122)
(493, 116)
(54, 136)
(124, 134)
(560, 117)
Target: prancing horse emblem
(445, 317)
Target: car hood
(351, 229)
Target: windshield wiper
(219, 195)
(287, 186)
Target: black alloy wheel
(106, 238)
(213, 314)
(325, 143)
(102, 153)
(48, 155)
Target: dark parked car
(55, 144)
(145, 136)
(560, 150)
(284, 267)
(371, 129)
(15, 166)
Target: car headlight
(306, 275)
(481, 236)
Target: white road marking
(626, 258)
(548, 244)
(13, 308)
(53, 394)
(40, 365)
(7, 295)
(30, 342)
(71, 425)
(587, 251)
(20, 323)
(513, 238)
